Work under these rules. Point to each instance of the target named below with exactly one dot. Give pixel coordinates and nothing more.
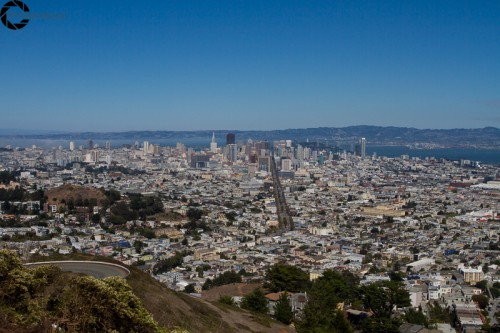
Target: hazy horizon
(27, 132)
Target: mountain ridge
(381, 135)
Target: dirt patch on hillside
(233, 289)
(63, 194)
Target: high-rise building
(300, 152)
(362, 144)
(264, 163)
(71, 146)
(230, 139)
(213, 144)
(232, 152)
(91, 144)
(108, 145)
(199, 161)
(145, 147)
(286, 164)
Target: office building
(213, 144)
(362, 144)
(230, 139)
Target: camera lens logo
(12, 4)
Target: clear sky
(86, 65)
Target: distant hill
(375, 135)
(69, 192)
(17, 131)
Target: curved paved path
(97, 269)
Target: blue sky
(187, 65)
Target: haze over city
(189, 65)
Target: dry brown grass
(74, 192)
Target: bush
(255, 301)
(228, 300)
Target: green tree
(283, 310)
(226, 278)
(96, 218)
(255, 301)
(138, 245)
(416, 317)
(481, 300)
(382, 297)
(321, 314)
(207, 285)
(482, 285)
(284, 277)
(189, 288)
(194, 214)
(381, 325)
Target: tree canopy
(284, 277)
(255, 301)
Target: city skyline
(191, 65)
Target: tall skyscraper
(213, 144)
(362, 143)
(230, 139)
(91, 144)
(232, 152)
(71, 146)
(146, 147)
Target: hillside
(172, 309)
(169, 309)
(79, 195)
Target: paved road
(97, 269)
(496, 303)
(284, 218)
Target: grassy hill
(173, 309)
(169, 310)
(79, 195)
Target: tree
(379, 325)
(283, 310)
(169, 263)
(194, 214)
(226, 278)
(138, 245)
(189, 288)
(207, 285)
(231, 216)
(284, 277)
(96, 218)
(382, 297)
(416, 317)
(482, 285)
(481, 300)
(256, 301)
(320, 313)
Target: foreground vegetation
(43, 298)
